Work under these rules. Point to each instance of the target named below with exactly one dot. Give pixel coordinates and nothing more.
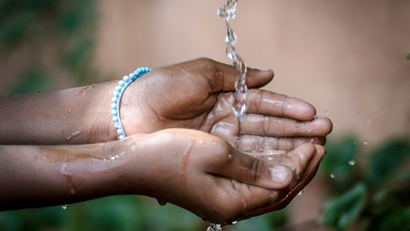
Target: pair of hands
(203, 159)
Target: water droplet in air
(64, 206)
(300, 192)
(332, 175)
(365, 142)
(234, 222)
(352, 162)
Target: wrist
(116, 101)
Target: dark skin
(183, 139)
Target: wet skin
(201, 173)
(205, 160)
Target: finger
(273, 104)
(258, 144)
(252, 170)
(305, 178)
(222, 77)
(261, 125)
(237, 199)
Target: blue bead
(121, 137)
(115, 119)
(114, 112)
(121, 83)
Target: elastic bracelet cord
(119, 90)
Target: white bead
(113, 105)
(121, 137)
(115, 119)
(117, 88)
(117, 125)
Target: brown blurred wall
(344, 57)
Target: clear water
(240, 105)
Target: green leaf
(32, 81)
(341, 212)
(395, 219)
(385, 161)
(408, 56)
(336, 161)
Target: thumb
(223, 76)
(253, 171)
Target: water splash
(241, 98)
(214, 227)
(352, 162)
(64, 206)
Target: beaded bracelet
(119, 90)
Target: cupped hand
(207, 176)
(198, 95)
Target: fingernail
(263, 69)
(279, 174)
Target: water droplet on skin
(332, 175)
(270, 158)
(326, 112)
(359, 114)
(365, 142)
(352, 162)
(384, 110)
(64, 206)
(300, 192)
(70, 110)
(133, 147)
(161, 202)
(368, 121)
(75, 134)
(230, 156)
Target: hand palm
(198, 95)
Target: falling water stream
(240, 104)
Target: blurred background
(350, 59)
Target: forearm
(38, 176)
(74, 116)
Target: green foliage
(408, 56)
(341, 212)
(266, 222)
(32, 81)
(123, 213)
(61, 30)
(377, 196)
